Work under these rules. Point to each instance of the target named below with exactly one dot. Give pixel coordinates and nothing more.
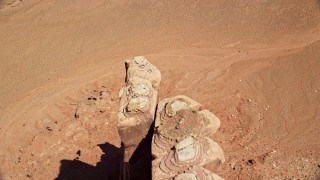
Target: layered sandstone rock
(181, 145)
(138, 101)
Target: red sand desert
(255, 64)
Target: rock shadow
(107, 168)
(110, 163)
(141, 159)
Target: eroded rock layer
(138, 101)
(181, 145)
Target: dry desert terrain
(254, 63)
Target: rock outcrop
(181, 145)
(138, 101)
(180, 141)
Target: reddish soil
(255, 64)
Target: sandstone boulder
(181, 143)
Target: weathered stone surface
(181, 141)
(180, 145)
(139, 67)
(138, 101)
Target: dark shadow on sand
(110, 162)
(107, 168)
(141, 160)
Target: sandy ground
(255, 64)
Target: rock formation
(138, 101)
(181, 145)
